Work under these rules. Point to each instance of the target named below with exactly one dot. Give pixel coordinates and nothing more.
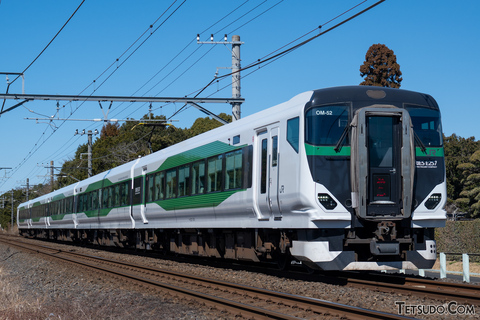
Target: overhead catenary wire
(182, 62)
(272, 58)
(37, 146)
(284, 52)
(291, 49)
(45, 48)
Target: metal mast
(236, 113)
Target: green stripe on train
(429, 152)
(326, 150)
(198, 201)
(199, 153)
(345, 151)
(58, 216)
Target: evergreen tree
(470, 195)
(380, 68)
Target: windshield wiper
(420, 143)
(338, 146)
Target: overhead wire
(291, 49)
(45, 48)
(218, 31)
(279, 55)
(180, 63)
(37, 145)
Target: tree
(458, 150)
(380, 68)
(471, 192)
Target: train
(341, 178)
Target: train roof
(368, 95)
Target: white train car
(348, 178)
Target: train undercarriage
(342, 248)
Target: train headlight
(327, 201)
(433, 201)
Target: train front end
(377, 153)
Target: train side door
(274, 167)
(267, 173)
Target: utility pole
(51, 167)
(236, 89)
(236, 113)
(12, 222)
(89, 152)
(51, 174)
(27, 185)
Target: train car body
(347, 178)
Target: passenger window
(150, 184)
(117, 196)
(184, 181)
(233, 170)
(214, 175)
(293, 133)
(159, 185)
(263, 168)
(124, 194)
(274, 151)
(236, 139)
(171, 185)
(198, 177)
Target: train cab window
(233, 170)
(427, 125)
(198, 177)
(325, 125)
(171, 184)
(293, 128)
(214, 173)
(184, 181)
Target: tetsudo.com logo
(451, 308)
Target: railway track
(443, 291)
(239, 300)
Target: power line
(289, 50)
(38, 56)
(33, 150)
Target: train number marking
(324, 113)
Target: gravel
(35, 287)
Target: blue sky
(436, 43)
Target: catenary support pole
(236, 89)
(89, 153)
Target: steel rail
(459, 292)
(317, 306)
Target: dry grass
(457, 266)
(15, 305)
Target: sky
(149, 48)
